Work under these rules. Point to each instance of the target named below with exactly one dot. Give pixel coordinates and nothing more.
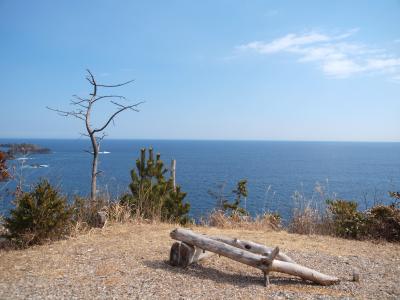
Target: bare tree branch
(108, 96)
(79, 104)
(92, 82)
(116, 85)
(77, 114)
(117, 104)
(100, 138)
(81, 100)
(84, 134)
(116, 113)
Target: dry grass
(310, 221)
(220, 220)
(130, 261)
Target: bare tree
(83, 109)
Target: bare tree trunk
(95, 153)
(93, 190)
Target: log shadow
(238, 280)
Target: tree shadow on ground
(239, 280)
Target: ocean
(278, 173)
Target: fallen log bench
(194, 247)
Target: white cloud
(285, 43)
(383, 64)
(340, 67)
(334, 54)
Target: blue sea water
(359, 171)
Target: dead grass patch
(220, 220)
(129, 260)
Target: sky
(211, 69)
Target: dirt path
(130, 261)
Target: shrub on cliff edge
(40, 215)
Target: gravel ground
(130, 262)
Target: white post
(173, 173)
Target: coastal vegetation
(342, 218)
(43, 214)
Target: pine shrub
(152, 195)
(40, 215)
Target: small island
(14, 150)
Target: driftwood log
(266, 263)
(183, 254)
(251, 247)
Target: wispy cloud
(335, 55)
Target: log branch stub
(271, 256)
(266, 279)
(274, 253)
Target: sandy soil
(131, 261)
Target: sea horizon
(202, 140)
(275, 170)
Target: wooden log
(182, 254)
(204, 242)
(303, 272)
(252, 247)
(261, 262)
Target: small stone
(356, 275)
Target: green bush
(40, 215)
(383, 222)
(348, 222)
(379, 222)
(152, 195)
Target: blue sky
(269, 70)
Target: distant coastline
(13, 149)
